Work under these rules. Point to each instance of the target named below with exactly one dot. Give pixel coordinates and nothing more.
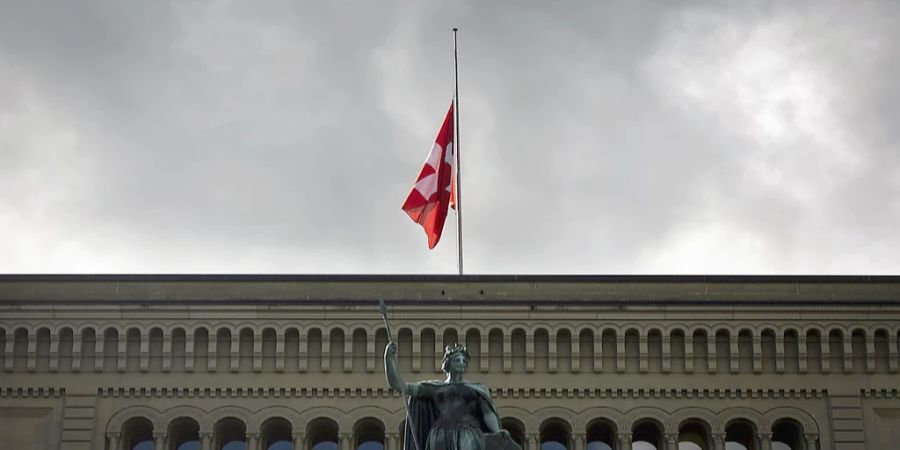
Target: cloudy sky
(596, 137)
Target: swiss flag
(430, 197)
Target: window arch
(275, 434)
(368, 434)
(693, 435)
(184, 434)
(740, 435)
(323, 434)
(787, 435)
(647, 435)
(137, 434)
(601, 435)
(429, 354)
(230, 434)
(515, 428)
(555, 435)
(473, 346)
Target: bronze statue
(449, 414)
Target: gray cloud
(597, 137)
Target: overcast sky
(597, 137)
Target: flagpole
(459, 242)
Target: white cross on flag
(432, 194)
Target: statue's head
(456, 359)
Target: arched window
(740, 435)
(518, 350)
(230, 434)
(223, 349)
(586, 349)
(360, 343)
(66, 341)
(179, 343)
(677, 344)
(654, 351)
(275, 434)
(404, 349)
(701, 351)
(495, 350)
(767, 342)
(555, 435)
(88, 349)
(42, 357)
(745, 351)
(601, 435)
(155, 349)
(110, 349)
(323, 434)
(693, 435)
(787, 435)
(429, 353)
(368, 434)
(516, 430)
(336, 347)
(473, 346)
(813, 351)
(646, 435)
(269, 345)
(609, 350)
(882, 352)
(132, 349)
(541, 350)
(381, 340)
(723, 351)
(836, 347)
(246, 336)
(858, 343)
(791, 351)
(137, 434)
(564, 351)
(201, 348)
(291, 350)
(184, 434)
(632, 351)
(314, 350)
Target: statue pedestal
(499, 441)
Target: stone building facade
(198, 362)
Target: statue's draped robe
(425, 415)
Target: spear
(409, 424)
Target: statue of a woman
(450, 414)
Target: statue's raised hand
(390, 350)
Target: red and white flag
(432, 194)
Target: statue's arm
(489, 416)
(491, 420)
(391, 372)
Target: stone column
(765, 441)
(811, 439)
(159, 440)
(206, 440)
(533, 441)
(344, 441)
(113, 440)
(671, 441)
(299, 441)
(580, 440)
(252, 441)
(391, 441)
(625, 441)
(718, 441)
